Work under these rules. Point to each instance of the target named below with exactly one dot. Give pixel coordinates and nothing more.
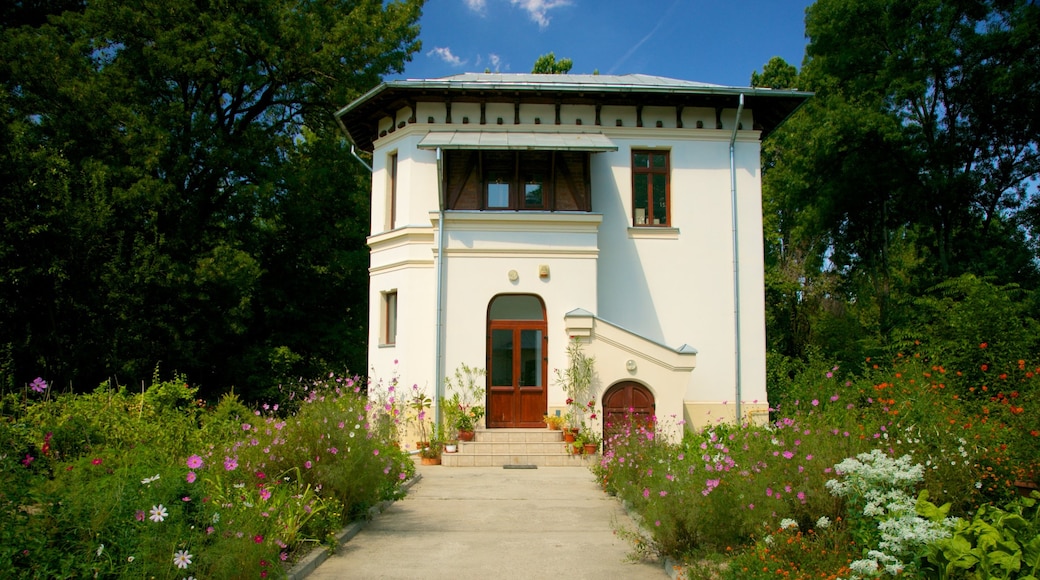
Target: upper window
(650, 188)
(517, 180)
(391, 191)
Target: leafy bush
(152, 485)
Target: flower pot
(576, 449)
(430, 460)
(466, 435)
(591, 448)
(422, 444)
(568, 437)
(451, 448)
(1024, 488)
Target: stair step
(500, 447)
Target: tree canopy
(915, 165)
(547, 64)
(177, 191)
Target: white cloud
(444, 53)
(476, 5)
(495, 61)
(537, 9)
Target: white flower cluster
(874, 470)
(883, 485)
(788, 523)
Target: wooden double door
(516, 362)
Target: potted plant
(464, 408)
(554, 422)
(431, 454)
(419, 407)
(591, 441)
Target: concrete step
(499, 447)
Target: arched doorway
(625, 403)
(516, 361)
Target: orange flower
(983, 345)
(985, 368)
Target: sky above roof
(711, 41)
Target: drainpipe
(343, 128)
(736, 247)
(439, 381)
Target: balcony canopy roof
(360, 118)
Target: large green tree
(915, 163)
(178, 194)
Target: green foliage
(995, 543)
(547, 64)
(178, 192)
(463, 407)
(248, 491)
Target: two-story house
(512, 213)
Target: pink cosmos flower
(190, 477)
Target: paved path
(485, 522)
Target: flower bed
(152, 484)
(776, 500)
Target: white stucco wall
(673, 286)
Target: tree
(176, 192)
(915, 162)
(548, 65)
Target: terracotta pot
(422, 444)
(430, 460)
(466, 435)
(591, 448)
(576, 449)
(568, 437)
(1024, 488)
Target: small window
(391, 202)
(390, 317)
(650, 188)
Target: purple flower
(230, 464)
(788, 454)
(815, 402)
(39, 385)
(194, 462)
(190, 477)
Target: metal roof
(770, 106)
(514, 140)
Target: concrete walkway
(490, 522)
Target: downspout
(736, 254)
(439, 381)
(343, 128)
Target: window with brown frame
(389, 318)
(650, 188)
(517, 180)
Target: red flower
(983, 345)
(96, 461)
(258, 539)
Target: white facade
(653, 305)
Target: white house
(512, 212)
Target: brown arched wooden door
(516, 362)
(625, 403)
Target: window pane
(502, 357)
(498, 195)
(530, 358)
(660, 197)
(533, 195)
(390, 321)
(660, 160)
(641, 160)
(640, 199)
(512, 307)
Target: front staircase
(527, 447)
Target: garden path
(485, 522)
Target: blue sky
(712, 41)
